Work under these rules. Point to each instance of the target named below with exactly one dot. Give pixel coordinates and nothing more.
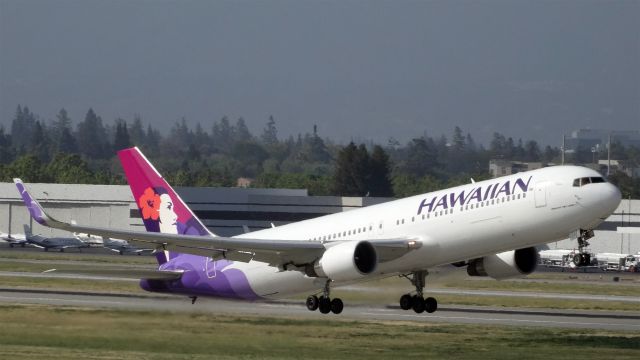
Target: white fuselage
(456, 224)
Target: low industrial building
(231, 211)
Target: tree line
(221, 151)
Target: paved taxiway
(446, 314)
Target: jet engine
(346, 261)
(505, 265)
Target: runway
(624, 321)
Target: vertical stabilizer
(161, 208)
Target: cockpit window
(587, 180)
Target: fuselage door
(540, 194)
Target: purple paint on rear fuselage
(204, 277)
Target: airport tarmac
(625, 321)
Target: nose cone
(611, 198)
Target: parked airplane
(491, 227)
(14, 239)
(117, 245)
(123, 247)
(52, 243)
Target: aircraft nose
(611, 197)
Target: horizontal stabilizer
(122, 273)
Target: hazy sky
(357, 69)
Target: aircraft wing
(274, 252)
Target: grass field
(63, 332)
(385, 291)
(36, 332)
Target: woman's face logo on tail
(159, 208)
(168, 217)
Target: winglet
(36, 211)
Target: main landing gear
(324, 303)
(417, 302)
(583, 258)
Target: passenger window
(413, 219)
(422, 216)
(402, 221)
(518, 196)
(524, 195)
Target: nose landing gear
(583, 258)
(417, 302)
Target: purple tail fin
(161, 208)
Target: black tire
(586, 259)
(430, 304)
(312, 303)
(577, 259)
(324, 305)
(418, 305)
(336, 306)
(406, 302)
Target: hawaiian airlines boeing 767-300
(491, 227)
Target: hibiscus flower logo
(149, 204)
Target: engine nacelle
(346, 261)
(505, 265)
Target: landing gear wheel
(418, 304)
(312, 303)
(324, 305)
(586, 259)
(406, 301)
(336, 306)
(430, 304)
(577, 259)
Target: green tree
(22, 128)
(422, 157)
(40, 144)
(408, 185)
(28, 168)
(241, 132)
(270, 133)
(121, 140)
(92, 137)
(61, 133)
(136, 132)
(380, 173)
(70, 169)
(351, 175)
(6, 151)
